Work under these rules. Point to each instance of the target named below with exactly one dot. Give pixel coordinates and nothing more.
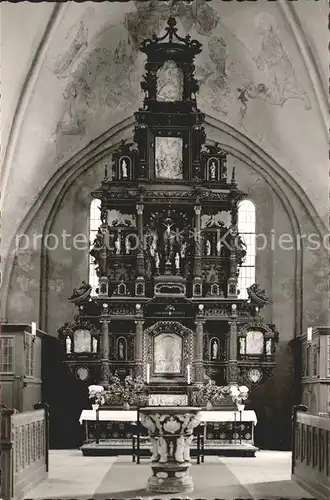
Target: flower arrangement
(210, 392)
(130, 391)
(239, 394)
(96, 393)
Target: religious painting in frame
(254, 343)
(167, 349)
(168, 157)
(169, 83)
(82, 341)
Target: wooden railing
(24, 456)
(311, 453)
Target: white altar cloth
(131, 416)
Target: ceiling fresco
(251, 74)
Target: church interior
(165, 239)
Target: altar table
(221, 426)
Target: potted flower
(239, 395)
(96, 394)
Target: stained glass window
(247, 230)
(94, 223)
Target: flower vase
(209, 405)
(240, 406)
(95, 406)
(126, 406)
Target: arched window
(94, 223)
(247, 229)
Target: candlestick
(188, 374)
(148, 373)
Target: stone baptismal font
(171, 433)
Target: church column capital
(198, 209)
(139, 208)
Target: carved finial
(233, 176)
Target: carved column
(139, 347)
(199, 370)
(103, 277)
(197, 286)
(233, 278)
(105, 347)
(232, 376)
(140, 285)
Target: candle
(309, 334)
(188, 374)
(34, 328)
(148, 373)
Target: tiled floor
(72, 476)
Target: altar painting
(169, 83)
(82, 341)
(254, 343)
(168, 157)
(167, 354)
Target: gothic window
(247, 230)
(94, 223)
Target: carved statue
(94, 344)
(162, 450)
(177, 261)
(219, 247)
(269, 347)
(81, 293)
(215, 349)
(208, 247)
(124, 169)
(186, 449)
(127, 246)
(212, 170)
(154, 449)
(157, 260)
(183, 250)
(242, 341)
(121, 350)
(68, 344)
(98, 242)
(117, 245)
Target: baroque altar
(168, 253)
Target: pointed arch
(247, 230)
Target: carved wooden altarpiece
(168, 307)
